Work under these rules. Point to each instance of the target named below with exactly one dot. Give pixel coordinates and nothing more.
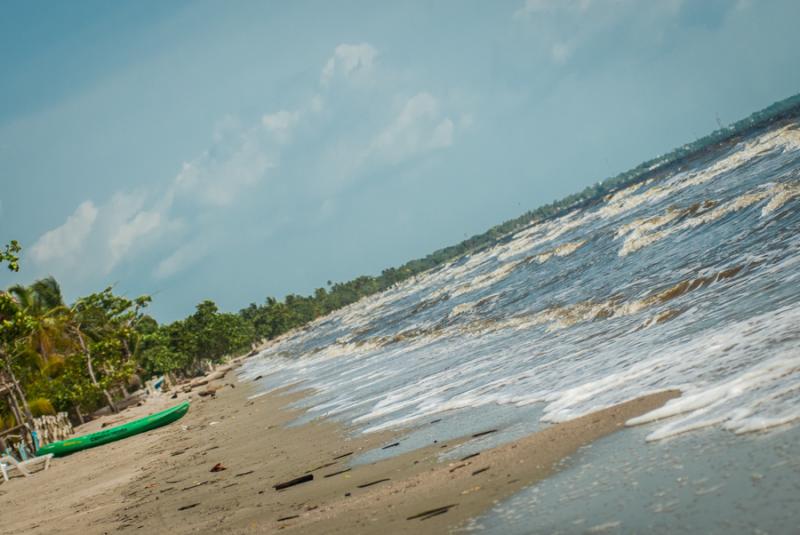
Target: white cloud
(281, 123)
(179, 260)
(132, 223)
(126, 236)
(238, 161)
(126, 225)
(560, 29)
(64, 244)
(349, 61)
(442, 135)
(107, 234)
(420, 127)
(142, 226)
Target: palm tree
(43, 303)
(42, 350)
(43, 307)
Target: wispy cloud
(353, 62)
(420, 127)
(217, 177)
(176, 226)
(64, 244)
(130, 233)
(108, 234)
(181, 258)
(281, 123)
(237, 161)
(566, 28)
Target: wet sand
(163, 480)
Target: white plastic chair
(7, 463)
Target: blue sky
(234, 150)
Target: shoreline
(163, 480)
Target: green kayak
(71, 445)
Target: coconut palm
(43, 303)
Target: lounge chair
(7, 462)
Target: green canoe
(71, 445)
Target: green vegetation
(81, 356)
(182, 347)
(85, 355)
(9, 255)
(41, 406)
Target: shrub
(55, 366)
(7, 422)
(41, 406)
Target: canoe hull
(71, 445)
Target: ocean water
(688, 281)
(706, 482)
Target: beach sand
(162, 481)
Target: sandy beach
(163, 480)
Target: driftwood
(326, 465)
(217, 374)
(196, 485)
(293, 482)
(210, 391)
(337, 473)
(430, 513)
(197, 382)
(365, 485)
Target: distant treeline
(81, 356)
